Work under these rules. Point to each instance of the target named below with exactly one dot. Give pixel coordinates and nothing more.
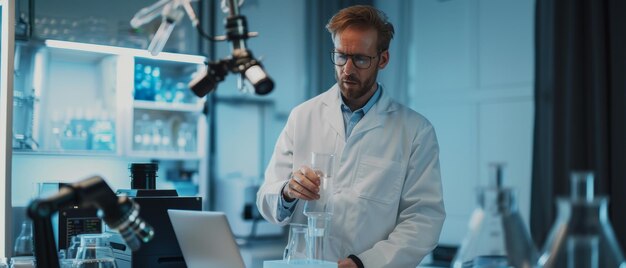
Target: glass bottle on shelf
(81, 129)
(166, 90)
(181, 140)
(157, 135)
(157, 83)
(144, 82)
(56, 130)
(180, 93)
(185, 137)
(497, 235)
(103, 133)
(145, 132)
(582, 235)
(166, 139)
(191, 137)
(68, 131)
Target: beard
(353, 88)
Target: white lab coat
(388, 196)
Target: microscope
(120, 213)
(163, 251)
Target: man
(388, 207)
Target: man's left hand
(346, 263)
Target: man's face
(357, 84)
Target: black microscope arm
(119, 213)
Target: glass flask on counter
(94, 252)
(497, 234)
(295, 251)
(582, 236)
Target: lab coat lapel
(376, 116)
(332, 111)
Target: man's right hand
(304, 184)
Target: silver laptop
(205, 239)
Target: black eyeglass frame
(352, 56)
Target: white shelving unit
(95, 85)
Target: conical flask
(582, 236)
(24, 243)
(497, 235)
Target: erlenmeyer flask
(582, 236)
(296, 251)
(24, 242)
(497, 235)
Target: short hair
(362, 15)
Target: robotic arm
(119, 213)
(241, 61)
(171, 13)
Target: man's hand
(346, 263)
(304, 184)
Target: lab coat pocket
(378, 179)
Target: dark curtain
(319, 68)
(580, 105)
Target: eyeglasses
(360, 61)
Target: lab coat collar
(372, 119)
(332, 110)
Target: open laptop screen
(205, 239)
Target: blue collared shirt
(350, 119)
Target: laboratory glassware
(64, 260)
(497, 235)
(322, 165)
(582, 236)
(94, 252)
(296, 250)
(73, 247)
(319, 212)
(24, 242)
(23, 262)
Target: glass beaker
(23, 262)
(582, 236)
(497, 235)
(94, 252)
(319, 212)
(296, 249)
(322, 165)
(24, 242)
(318, 231)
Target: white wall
(470, 71)
(6, 103)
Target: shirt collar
(370, 103)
